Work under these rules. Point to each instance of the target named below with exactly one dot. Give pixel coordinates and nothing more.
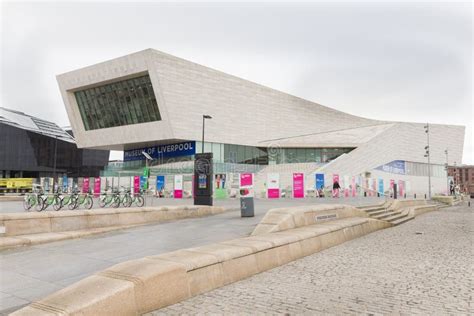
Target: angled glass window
(125, 102)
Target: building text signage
(396, 167)
(161, 151)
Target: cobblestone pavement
(422, 267)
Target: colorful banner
(85, 185)
(246, 180)
(374, 187)
(70, 184)
(65, 183)
(178, 186)
(298, 185)
(335, 185)
(273, 185)
(381, 188)
(346, 186)
(96, 186)
(143, 182)
(353, 187)
(160, 184)
(319, 181)
(136, 184)
(401, 188)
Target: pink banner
(401, 188)
(246, 179)
(136, 184)
(298, 185)
(335, 185)
(374, 187)
(273, 193)
(96, 186)
(178, 194)
(353, 184)
(85, 185)
(392, 182)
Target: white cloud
(391, 61)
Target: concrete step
(369, 209)
(377, 212)
(402, 220)
(385, 215)
(395, 217)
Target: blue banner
(395, 166)
(143, 182)
(160, 183)
(161, 151)
(64, 183)
(381, 188)
(319, 181)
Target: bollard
(414, 196)
(405, 196)
(365, 194)
(378, 194)
(425, 196)
(469, 203)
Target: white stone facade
(246, 113)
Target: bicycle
(46, 200)
(68, 200)
(31, 199)
(107, 199)
(124, 199)
(137, 198)
(82, 199)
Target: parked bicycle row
(40, 201)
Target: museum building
(154, 102)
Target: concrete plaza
(31, 273)
(424, 266)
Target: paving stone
(393, 271)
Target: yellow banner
(16, 183)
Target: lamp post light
(204, 117)
(427, 154)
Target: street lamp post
(427, 154)
(55, 158)
(204, 117)
(447, 166)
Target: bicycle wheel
(40, 204)
(27, 203)
(88, 203)
(71, 203)
(127, 201)
(57, 204)
(116, 202)
(103, 201)
(140, 201)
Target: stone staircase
(384, 213)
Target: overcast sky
(390, 61)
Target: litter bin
(246, 207)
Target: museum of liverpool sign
(161, 151)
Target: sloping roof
(346, 137)
(33, 124)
